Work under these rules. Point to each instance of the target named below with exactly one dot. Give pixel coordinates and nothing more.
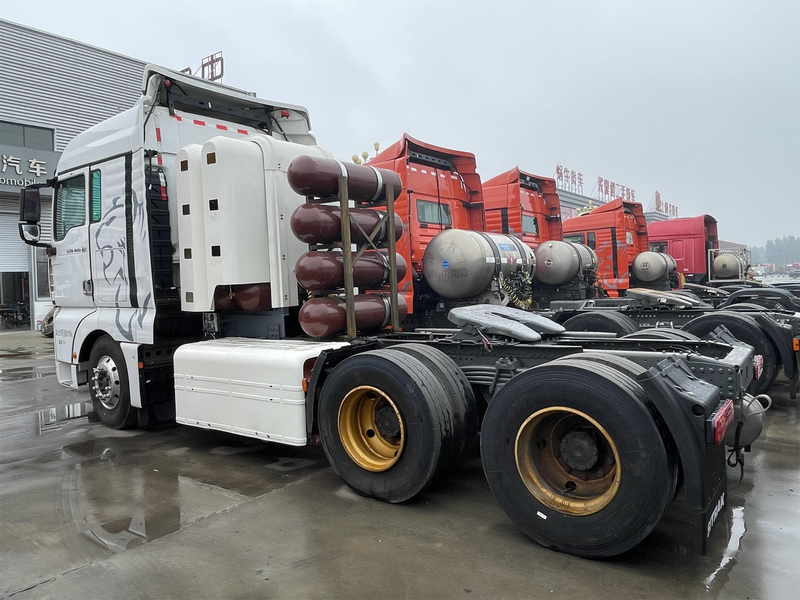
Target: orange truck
(524, 205)
(617, 232)
(441, 190)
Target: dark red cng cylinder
(318, 224)
(319, 177)
(253, 296)
(317, 271)
(324, 317)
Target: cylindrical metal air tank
(460, 264)
(324, 317)
(319, 177)
(318, 224)
(752, 417)
(558, 262)
(652, 266)
(728, 266)
(317, 271)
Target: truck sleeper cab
(441, 191)
(394, 413)
(617, 232)
(524, 205)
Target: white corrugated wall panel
(50, 81)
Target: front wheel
(575, 458)
(109, 385)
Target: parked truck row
(213, 266)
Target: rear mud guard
(781, 337)
(685, 405)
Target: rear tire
(462, 398)
(385, 425)
(109, 385)
(607, 321)
(540, 409)
(747, 330)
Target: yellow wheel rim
(371, 428)
(567, 461)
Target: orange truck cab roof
(688, 241)
(441, 190)
(524, 205)
(617, 232)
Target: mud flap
(685, 404)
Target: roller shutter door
(14, 253)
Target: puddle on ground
(720, 575)
(29, 375)
(54, 418)
(119, 494)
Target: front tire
(109, 385)
(575, 459)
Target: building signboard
(24, 166)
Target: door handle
(87, 287)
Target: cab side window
(95, 197)
(575, 238)
(70, 205)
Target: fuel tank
(652, 266)
(460, 264)
(317, 271)
(728, 266)
(319, 177)
(318, 224)
(558, 262)
(324, 317)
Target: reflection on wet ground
(89, 512)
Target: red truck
(688, 241)
(617, 232)
(441, 190)
(524, 205)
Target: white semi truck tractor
(183, 229)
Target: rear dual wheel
(576, 459)
(392, 422)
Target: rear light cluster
(758, 365)
(796, 344)
(720, 420)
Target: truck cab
(116, 254)
(524, 205)
(688, 240)
(617, 232)
(441, 190)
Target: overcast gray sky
(700, 101)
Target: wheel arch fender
(781, 338)
(675, 391)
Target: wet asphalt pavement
(88, 512)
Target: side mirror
(30, 205)
(29, 232)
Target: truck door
(108, 234)
(72, 283)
